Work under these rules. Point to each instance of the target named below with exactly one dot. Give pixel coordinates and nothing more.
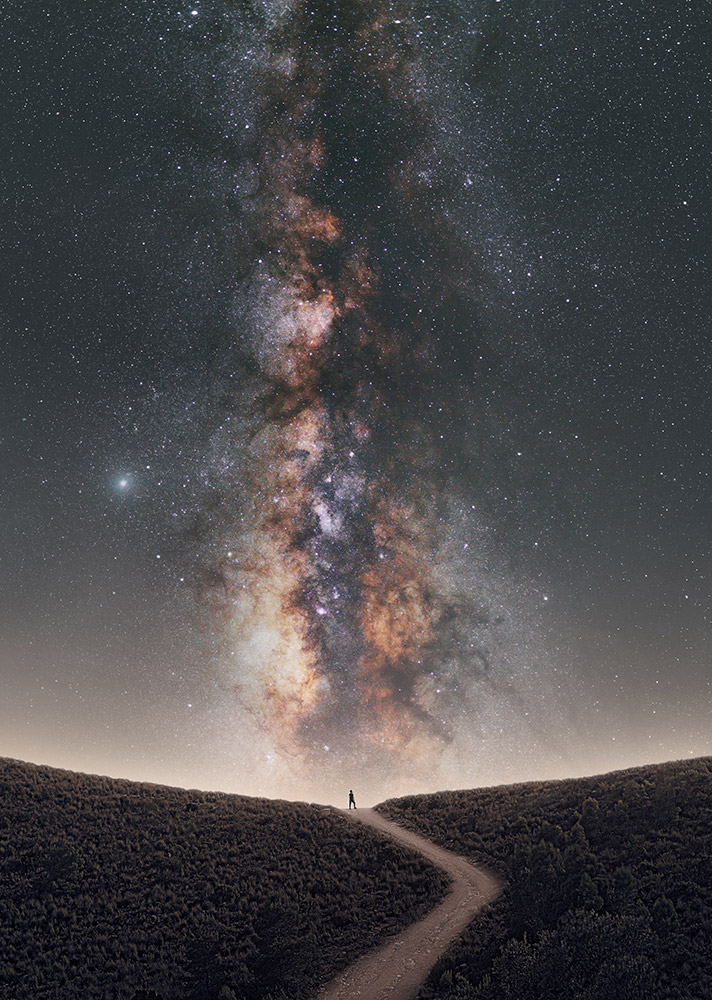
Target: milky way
(383, 328)
(351, 633)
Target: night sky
(354, 405)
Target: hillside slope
(609, 885)
(109, 887)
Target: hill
(608, 894)
(109, 888)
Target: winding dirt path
(397, 969)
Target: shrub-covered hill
(609, 891)
(109, 888)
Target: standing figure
(352, 800)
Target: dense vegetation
(608, 885)
(114, 890)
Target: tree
(59, 869)
(286, 944)
(591, 818)
(205, 975)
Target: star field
(489, 224)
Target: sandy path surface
(397, 969)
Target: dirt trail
(397, 969)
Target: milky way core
(353, 636)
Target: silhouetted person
(352, 800)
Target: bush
(607, 890)
(138, 891)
